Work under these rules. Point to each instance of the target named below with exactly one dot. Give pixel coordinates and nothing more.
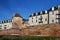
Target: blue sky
(24, 7)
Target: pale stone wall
(17, 22)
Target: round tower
(17, 21)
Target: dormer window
(38, 13)
(34, 14)
(55, 8)
(7, 21)
(10, 20)
(2, 22)
(52, 8)
(43, 12)
(30, 15)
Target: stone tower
(17, 21)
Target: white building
(38, 18)
(45, 17)
(6, 24)
(54, 15)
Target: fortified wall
(19, 27)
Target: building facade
(6, 24)
(38, 18)
(54, 15)
(45, 17)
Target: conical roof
(16, 15)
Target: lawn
(14, 37)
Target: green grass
(14, 37)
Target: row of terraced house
(45, 17)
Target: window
(46, 19)
(57, 18)
(56, 8)
(38, 13)
(0, 28)
(41, 22)
(52, 20)
(50, 9)
(32, 20)
(32, 17)
(36, 17)
(52, 12)
(0, 25)
(5, 25)
(4, 21)
(5, 28)
(36, 20)
(59, 9)
(10, 20)
(34, 14)
(40, 18)
(7, 21)
(58, 14)
(43, 12)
